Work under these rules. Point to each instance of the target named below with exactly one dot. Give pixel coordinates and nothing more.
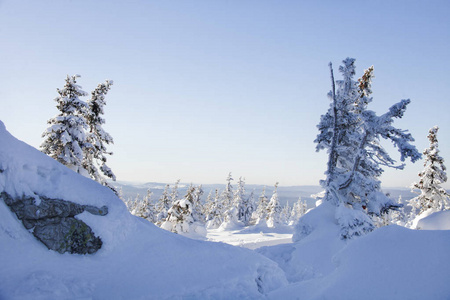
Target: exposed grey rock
(54, 224)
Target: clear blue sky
(202, 88)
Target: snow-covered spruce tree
(432, 196)
(162, 206)
(145, 208)
(274, 209)
(134, 204)
(181, 216)
(337, 127)
(94, 160)
(65, 137)
(285, 214)
(197, 212)
(298, 210)
(216, 213)
(251, 208)
(261, 208)
(227, 194)
(131, 204)
(207, 206)
(230, 215)
(174, 193)
(351, 134)
(243, 206)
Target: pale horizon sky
(204, 88)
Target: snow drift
(137, 260)
(391, 262)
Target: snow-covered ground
(252, 237)
(137, 260)
(141, 261)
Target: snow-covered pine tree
(162, 206)
(274, 209)
(207, 206)
(261, 208)
(197, 212)
(285, 214)
(351, 133)
(227, 194)
(362, 187)
(131, 204)
(216, 214)
(230, 215)
(251, 207)
(241, 202)
(180, 217)
(135, 204)
(432, 196)
(337, 127)
(298, 210)
(94, 158)
(174, 193)
(65, 137)
(145, 209)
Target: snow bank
(390, 263)
(137, 259)
(436, 221)
(316, 241)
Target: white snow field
(252, 237)
(137, 260)
(141, 261)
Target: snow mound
(316, 240)
(391, 262)
(137, 260)
(437, 221)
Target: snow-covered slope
(437, 221)
(137, 259)
(392, 262)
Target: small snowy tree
(274, 209)
(250, 208)
(298, 210)
(285, 214)
(230, 215)
(65, 137)
(261, 209)
(227, 194)
(97, 138)
(216, 214)
(243, 204)
(145, 208)
(134, 205)
(197, 212)
(181, 216)
(432, 196)
(174, 193)
(162, 206)
(207, 206)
